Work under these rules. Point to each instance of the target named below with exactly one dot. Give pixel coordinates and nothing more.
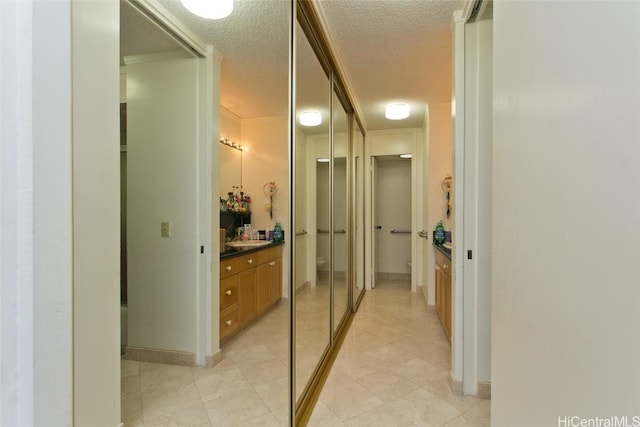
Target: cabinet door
(263, 287)
(447, 303)
(439, 296)
(275, 280)
(247, 297)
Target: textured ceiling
(391, 50)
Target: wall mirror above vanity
(230, 166)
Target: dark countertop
(446, 252)
(233, 252)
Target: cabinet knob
(228, 268)
(438, 268)
(445, 266)
(250, 261)
(228, 322)
(272, 263)
(228, 292)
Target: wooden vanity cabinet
(249, 285)
(443, 291)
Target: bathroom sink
(247, 243)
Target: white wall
(566, 324)
(439, 166)
(96, 213)
(266, 158)
(162, 185)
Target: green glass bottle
(439, 235)
(277, 232)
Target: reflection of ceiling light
(310, 118)
(397, 111)
(323, 160)
(405, 156)
(209, 9)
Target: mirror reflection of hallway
(392, 212)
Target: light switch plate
(165, 229)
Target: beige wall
(440, 165)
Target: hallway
(392, 370)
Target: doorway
(392, 218)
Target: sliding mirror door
(357, 216)
(312, 215)
(339, 185)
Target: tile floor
(392, 370)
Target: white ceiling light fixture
(406, 156)
(323, 160)
(209, 9)
(310, 118)
(397, 111)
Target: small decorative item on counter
(277, 232)
(439, 235)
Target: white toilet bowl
(320, 262)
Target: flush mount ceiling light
(405, 156)
(310, 118)
(396, 111)
(209, 9)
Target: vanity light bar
(231, 144)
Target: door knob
(378, 227)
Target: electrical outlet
(165, 229)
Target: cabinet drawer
(247, 261)
(228, 320)
(228, 267)
(228, 292)
(270, 254)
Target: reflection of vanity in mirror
(250, 265)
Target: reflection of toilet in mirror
(320, 262)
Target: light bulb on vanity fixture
(310, 118)
(209, 9)
(397, 111)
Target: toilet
(320, 262)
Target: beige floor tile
(420, 371)
(129, 368)
(275, 395)
(387, 385)
(380, 416)
(166, 401)
(424, 408)
(323, 417)
(234, 404)
(349, 399)
(193, 415)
